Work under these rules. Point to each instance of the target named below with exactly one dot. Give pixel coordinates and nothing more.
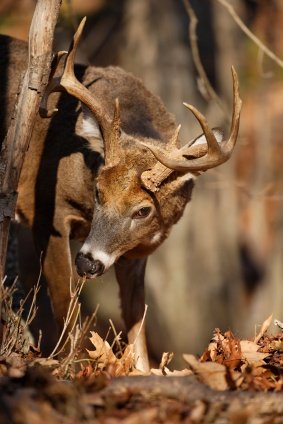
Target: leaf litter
(227, 364)
(231, 363)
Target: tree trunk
(19, 132)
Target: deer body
(96, 173)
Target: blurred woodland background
(222, 265)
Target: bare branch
(209, 90)
(249, 33)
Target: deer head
(145, 183)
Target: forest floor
(234, 381)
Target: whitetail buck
(121, 208)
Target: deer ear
(88, 128)
(218, 133)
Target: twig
(249, 33)
(76, 341)
(142, 322)
(210, 92)
(37, 347)
(33, 308)
(71, 318)
(84, 329)
(116, 338)
(16, 334)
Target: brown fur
(57, 197)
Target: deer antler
(52, 86)
(113, 150)
(192, 158)
(110, 128)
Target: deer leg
(130, 276)
(57, 270)
(29, 272)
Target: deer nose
(87, 266)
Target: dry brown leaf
(158, 371)
(276, 345)
(168, 373)
(266, 324)
(250, 353)
(258, 371)
(237, 377)
(103, 352)
(211, 353)
(126, 363)
(166, 359)
(233, 354)
(106, 359)
(245, 361)
(224, 349)
(210, 373)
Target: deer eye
(142, 212)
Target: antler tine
(216, 154)
(112, 150)
(69, 82)
(213, 147)
(237, 105)
(78, 90)
(60, 83)
(70, 59)
(52, 86)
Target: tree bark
(38, 397)
(19, 133)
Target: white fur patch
(90, 130)
(156, 238)
(187, 177)
(85, 248)
(17, 217)
(99, 255)
(104, 257)
(90, 127)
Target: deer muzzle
(87, 266)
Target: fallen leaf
(276, 345)
(168, 373)
(125, 364)
(166, 359)
(237, 377)
(250, 352)
(266, 324)
(103, 352)
(106, 359)
(210, 373)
